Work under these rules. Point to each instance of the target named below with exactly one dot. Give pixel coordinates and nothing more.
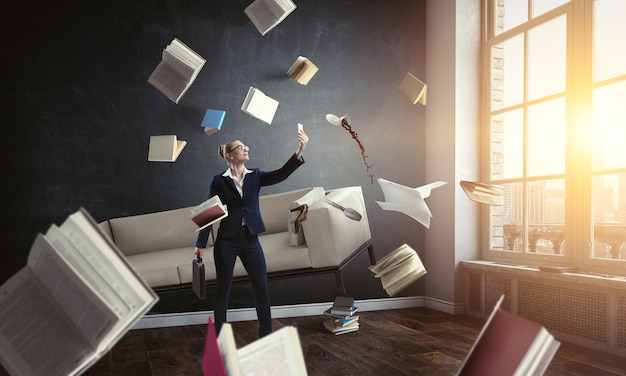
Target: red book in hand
(208, 212)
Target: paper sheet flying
(407, 200)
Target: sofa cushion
(151, 232)
(160, 268)
(297, 237)
(279, 256)
(275, 207)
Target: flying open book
(398, 269)
(266, 14)
(259, 105)
(482, 193)
(509, 345)
(208, 212)
(165, 148)
(302, 70)
(75, 298)
(413, 89)
(177, 70)
(278, 353)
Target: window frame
(578, 227)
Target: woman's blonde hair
(224, 149)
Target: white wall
(452, 145)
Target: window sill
(589, 279)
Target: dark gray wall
(77, 112)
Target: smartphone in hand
(300, 127)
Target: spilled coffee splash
(355, 136)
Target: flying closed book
(259, 105)
(165, 148)
(266, 14)
(482, 193)
(212, 121)
(302, 70)
(413, 89)
(177, 70)
(398, 269)
(208, 212)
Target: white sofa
(160, 245)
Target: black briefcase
(198, 282)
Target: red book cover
(212, 364)
(208, 215)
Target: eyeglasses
(240, 147)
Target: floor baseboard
(297, 310)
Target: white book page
(228, 350)
(81, 266)
(255, 102)
(209, 203)
(113, 269)
(277, 354)
(267, 110)
(169, 82)
(177, 63)
(36, 337)
(186, 55)
(399, 284)
(70, 291)
(264, 14)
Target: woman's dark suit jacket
(244, 208)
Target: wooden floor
(412, 341)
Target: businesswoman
(238, 188)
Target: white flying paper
(407, 200)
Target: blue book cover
(212, 121)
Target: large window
(556, 75)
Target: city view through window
(557, 129)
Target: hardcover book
(398, 269)
(482, 193)
(259, 105)
(73, 301)
(267, 14)
(413, 89)
(509, 345)
(165, 148)
(212, 121)
(177, 70)
(302, 70)
(209, 212)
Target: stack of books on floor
(341, 318)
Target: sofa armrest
(330, 235)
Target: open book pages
(302, 70)
(398, 269)
(259, 105)
(228, 350)
(279, 353)
(208, 212)
(177, 70)
(165, 148)
(509, 345)
(413, 89)
(266, 14)
(483, 193)
(75, 298)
